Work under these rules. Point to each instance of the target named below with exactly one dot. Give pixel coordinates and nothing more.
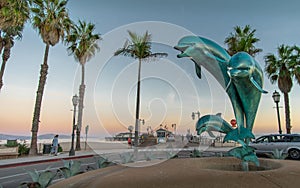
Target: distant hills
(19, 137)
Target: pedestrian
(129, 142)
(54, 148)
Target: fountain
(242, 79)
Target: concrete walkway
(5, 163)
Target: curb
(43, 161)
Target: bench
(9, 152)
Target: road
(12, 177)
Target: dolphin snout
(181, 49)
(182, 55)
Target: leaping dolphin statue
(247, 76)
(239, 75)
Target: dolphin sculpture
(215, 123)
(240, 75)
(211, 123)
(247, 76)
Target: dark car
(287, 144)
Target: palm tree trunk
(5, 57)
(38, 103)
(137, 112)
(1, 43)
(287, 113)
(80, 108)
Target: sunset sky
(170, 89)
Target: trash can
(11, 143)
(46, 148)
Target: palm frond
(134, 37)
(297, 74)
(242, 39)
(138, 47)
(125, 52)
(83, 42)
(51, 20)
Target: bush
(59, 149)
(40, 179)
(23, 149)
(71, 168)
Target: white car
(288, 144)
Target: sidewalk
(5, 163)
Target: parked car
(288, 144)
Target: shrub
(23, 149)
(196, 153)
(71, 168)
(40, 179)
(127, 158)
(59, 149)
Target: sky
(170, 89)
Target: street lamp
(75, 101)
(195, 113)
(193, 117)
(276, 98)
(141, 121)
(174, 126)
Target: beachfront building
(120, 137)
(162, 135)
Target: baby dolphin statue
(211, 123)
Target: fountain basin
(192, 172)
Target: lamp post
(86, 133)
(141, 121)
(194, 114)
(276, 98)
(193, 117)
(75, 101)
(137, 131)
(174, 126)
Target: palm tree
(282, 69)
(83, 45)
(242, 39)
(51, 19)
(13, 16)
(139, 47)
(7, 44)
(13, 13)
